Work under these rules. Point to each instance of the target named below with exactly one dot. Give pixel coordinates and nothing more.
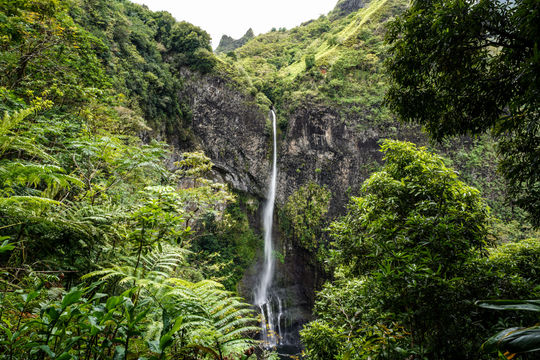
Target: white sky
(235, 17)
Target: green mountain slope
(336, 59)
(337, 62)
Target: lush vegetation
(117, 246)
(334, 60)
(473, 75)
(411, 257)
(418, 247)
(337, 62)
(98, 228)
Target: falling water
(262, 298)
(280, 314)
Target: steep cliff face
(230, 128)
(324, 145)
(321, 142)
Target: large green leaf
(71, 297)
(514, 340)
(520, 341)
(528, 305)
(6, 246)
(492, 344)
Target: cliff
(345, 7)
(229, 126)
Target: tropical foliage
(473, 75)
(96, 224)
(114, 245)
(409, 265)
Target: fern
(211, 316)
(22, 144)
(51, 176)
(225, 316)
(16, 142)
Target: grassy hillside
(338, 61)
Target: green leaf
(521, 341)
(527, 305)
(47, 350)
(177, 324)
(71, 297)
(64, 356)
(154, 346)
(6, 246)
(31, 296)
(113, 302)
(8, 333)
(119, 353)
(165, 341)
(514, 340)
(492, 344)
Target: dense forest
(134, 163)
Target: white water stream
(262, 297)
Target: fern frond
(240, 313)
(238, 332)
(27, 201)
(238, 324)
(9, 121)
(22, 144)
(166, 260)
(30, 174)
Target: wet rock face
(333, 148)
(321, 147)
(293, 285)
(229, 127)
(320, 143)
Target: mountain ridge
(227, 43)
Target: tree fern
(222, 315)
(152, 271)
(52, 177)
(14, 141)
(211, 316)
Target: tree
(189, 45)
(401, 255)
(305, 212)
(415, 206)
(466, 67)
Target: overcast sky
(235, 17)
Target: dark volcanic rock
(321, 147)
(332, 149)
(229, 127)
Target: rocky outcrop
(325, 146)
(227, 43)
(345, 7)
(230, 128)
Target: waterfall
(262, 297)
(280, 314)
